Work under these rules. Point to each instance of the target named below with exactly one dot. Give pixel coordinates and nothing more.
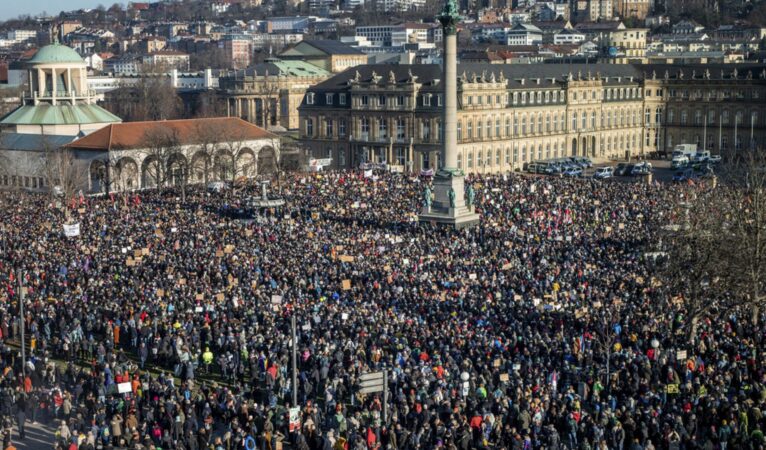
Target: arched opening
(98, 176)
(246, 163)
(267, 161)
(584, 148)
(178, 170)
(593, 146)
(574, 147)
(223, 165)
(127, 174)
(151, 172)
(199, 169)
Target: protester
(541, 328)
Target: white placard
(124, 388)
(72, 230)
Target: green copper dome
(56, 53)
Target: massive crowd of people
(168, 325)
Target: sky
(14, 8)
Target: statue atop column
(449, 17)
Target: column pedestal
(441, 212)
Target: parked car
(573, 172)
(714, 159)
(581, 161)
(604, 172)
(641, 168)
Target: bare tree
(741, 200)
(151, 98)
(695, 261)
(64, 176)
(207, 134)
(225, 160)
(604, 325)
(164, 160)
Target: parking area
(660, 168)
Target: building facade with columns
(270, 93)
(513, 114)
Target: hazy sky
(13, 8)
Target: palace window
(328, 99)
(342, 127)
(310, 127)
(469, 131)
(382, 128)
(328, 128)
(459, 130)
(479, 130)
(341, 99)
(310, 98)
(401, 126)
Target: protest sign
(72, 230)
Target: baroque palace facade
(512, 114)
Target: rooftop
(56, 53)
(331, 47)
(131, 135)
(45, 114)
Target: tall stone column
(450, 202)
(449, 67)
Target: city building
(524, 34)
(238, 50)
(332, 56)
(636, 9)
(270, 93)
(687, 27)
(510, 115)
(167, 59)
